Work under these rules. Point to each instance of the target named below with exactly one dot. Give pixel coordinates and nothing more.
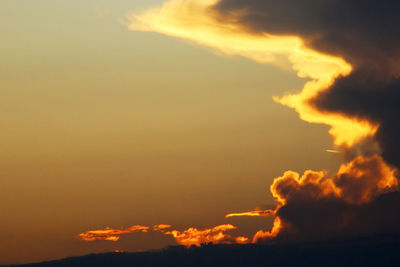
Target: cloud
(348, 50)
(111, 234)
(188, 237)
(362, 198)
(364, 33)
(254, 213)
(365, 94)
(161, 227)
(215, 235)
(200, 22)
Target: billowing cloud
(357, 182)
(361, 198)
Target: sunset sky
(108, 121)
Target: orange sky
(106, 127)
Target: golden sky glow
(194, 20)
(105, 126)
(116, 113)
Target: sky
(105, 126)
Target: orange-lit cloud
(189, 237)
(111, 234)
(359, 182)
(254, 213)
(161, 227)
(216, 235)
(195, 20)
(333, 151)
(267, 235)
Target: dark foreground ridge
(377, 251)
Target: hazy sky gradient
(101, 126)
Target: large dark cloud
(364, 94)
(334, 218)
(366, 33)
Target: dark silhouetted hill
(377, 251)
